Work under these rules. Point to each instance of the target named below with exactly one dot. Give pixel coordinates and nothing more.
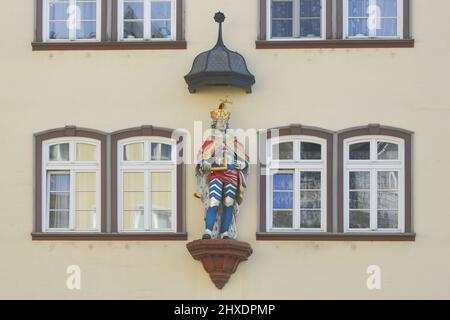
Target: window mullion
(147, 19)
(296, 19)
(72, 203)
(147, 199)
(296, 207)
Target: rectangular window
(147, 19)
(374, 184)
(297, 184)
(373, 18)
(72, 20)
(296, 19)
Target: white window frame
(72, 33)
(298, 166)
(372, 35)
(296, 22)
(147, 166)
(73, 167)
(373, 166)
(147, 21)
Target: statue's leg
(215, 198)
(230, 198)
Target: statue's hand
(206, 166)
(240, 165)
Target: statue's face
(221, 125)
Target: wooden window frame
(298, 132)
(147, 132)
(109, 33)
(146, 166)
(68, 133)
(333, 40)
(377, 131)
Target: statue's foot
(206, 236)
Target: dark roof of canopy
(219, 66)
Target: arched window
(146, 182)
(70, 193)
(375, 174)
(297, 181)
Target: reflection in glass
(388, 219)
(282, 219)
(283, 151)
(359, 219)
(387, 151)
(310, 219)
(161, 152)
(360, 151)
(310, 151)
(59, 152)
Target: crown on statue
(221, 113)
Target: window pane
(85, 220)
(358, 27)
(282, 219)
(388, 28)
(161, 29)
(282, 9)
(133, 220)
(310, 28)
(161, 152)
(86, 201)
(88, 10)
(358, 8)
(311, 151)
(388, 8)
(133, 10)
(360, 151)
(310, 199)
(387, 180)
(133, 30)
(310, 180)
(59, 152)
(359, 219)
(388, 219)
(133, 152)
(86, 181)
(58, 30)
(359, 180)
(161, 200)
(310, 219)
(133, 181)
(59, 219)
(283, 181)
(86, 152)
(283, 151)
(133, 201)
(387, 151)
(310, 8)
(161, 10)
(58, 10)
(60, 182)
(282, 200)
(387, 200)
(281, 28)
(359, 200)
(162, 219)
(59, 201)
(87, 30)
(161, 181)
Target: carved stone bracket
(220, 258)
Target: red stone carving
(220, 258)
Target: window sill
(41, 236)
(111, 45)
(335, 44)
(269, 236)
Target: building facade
(345, 126)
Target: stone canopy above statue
(220, 67)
